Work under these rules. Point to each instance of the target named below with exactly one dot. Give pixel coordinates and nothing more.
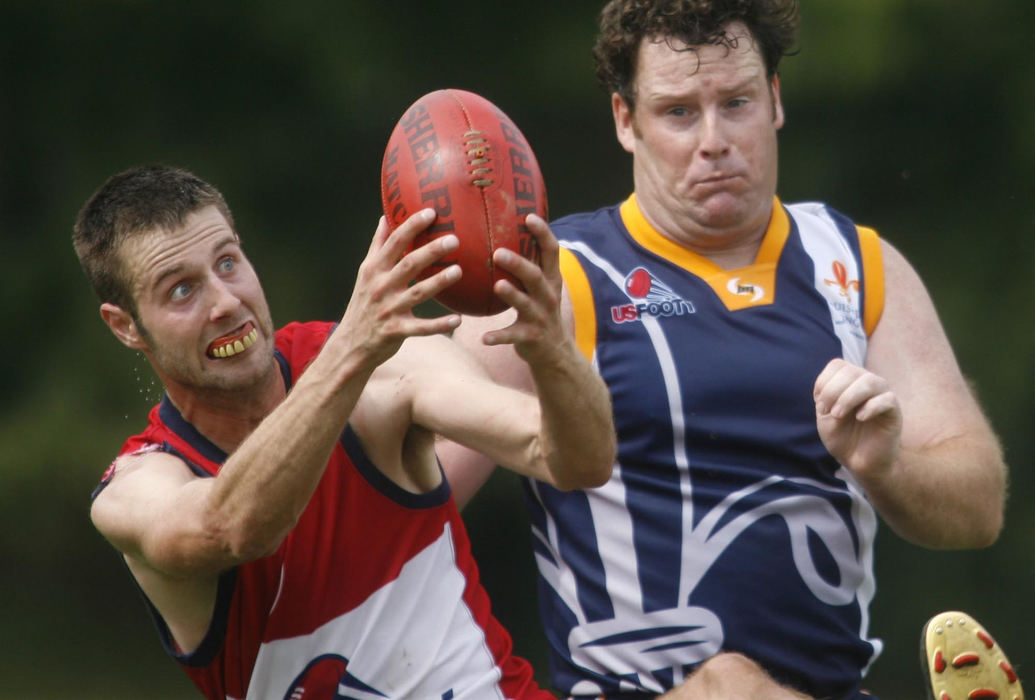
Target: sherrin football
(458, 153)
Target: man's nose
(714, 141)
(224, 300)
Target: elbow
(251, 544)
(208, 550)
(601, 470)
(242, 530)
(247, 549)
(978, 534)
(589, 478)
(245, 539)
(989, 536)
(989, 521)
(966, 507)
(590, 471)
(601, 475)
(978, 529)
(987, 531)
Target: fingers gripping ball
(457, 152)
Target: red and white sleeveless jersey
(374, 594)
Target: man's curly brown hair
(625, 23)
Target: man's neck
(729, 249)
(226, 418)
(741, 253)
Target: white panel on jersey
(837, 276)
(412, 638)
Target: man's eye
(180, 291)
(736, 102)
(227, 264)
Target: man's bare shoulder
(134, 483)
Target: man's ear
(123, 326)
(624, 129)
(774, 90)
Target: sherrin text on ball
(458, 153)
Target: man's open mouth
(233, 344)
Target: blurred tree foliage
(915, 117)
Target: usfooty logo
(649, 297)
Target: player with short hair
(779, 379)
(283, 511)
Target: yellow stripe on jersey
(741, 288)
(581, 295)
(873, 277)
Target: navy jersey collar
(172, 418)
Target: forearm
(948, 495)
(564, 435)
(946, 484)
(577, 436)
(266, 483)
(178, 525)
(568, 439)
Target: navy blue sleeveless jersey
(726, 525)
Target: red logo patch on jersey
(651, 297)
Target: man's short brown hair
(135, 201)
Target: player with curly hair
(779, 379)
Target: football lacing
(478, 158)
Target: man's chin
(725, 211)
(720, 218)
(239, 375)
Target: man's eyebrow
(741, 85)
(744, 83)
(173, 271)
(663, 95)
(230, 239)
(178, 268)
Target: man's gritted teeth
(233, 344)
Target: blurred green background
(915, 117)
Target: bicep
(910, 349)
(150, 510)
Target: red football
(458, 153)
